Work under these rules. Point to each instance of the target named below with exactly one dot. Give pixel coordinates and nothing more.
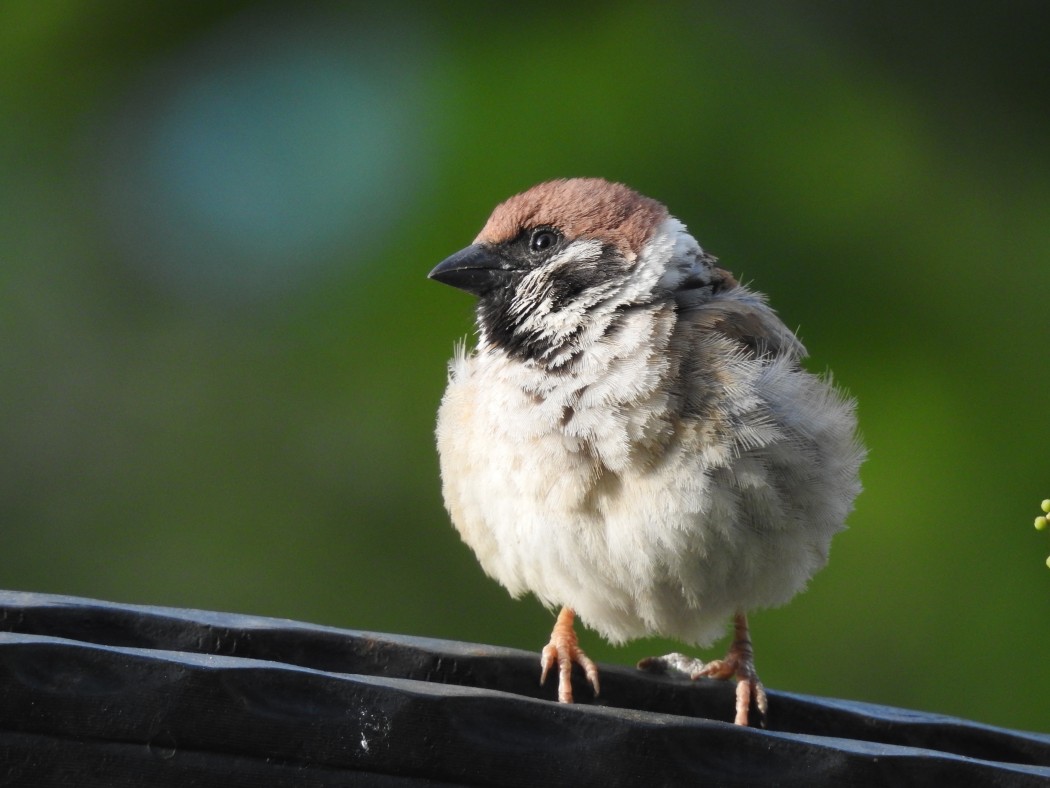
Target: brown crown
(578, 208)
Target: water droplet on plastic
(163, 746)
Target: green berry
(1040, 523)
(1046, 505)
(1048, 562)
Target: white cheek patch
(532, 293)
(669, 257)
(533, 302)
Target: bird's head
(558, 262)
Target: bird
(633, 437)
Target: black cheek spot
(572, 280)
(502, 326)
(568, 286)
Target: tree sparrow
(634, 439)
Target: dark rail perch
(93, 693)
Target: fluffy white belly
(638, 541)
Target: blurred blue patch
(265, 153)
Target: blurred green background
(221, 358)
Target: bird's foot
(741, 666)
(564, 649)
(739, 663)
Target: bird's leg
(564, 649)
(739, 663)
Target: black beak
(476, 269)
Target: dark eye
(542, 240)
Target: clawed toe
(564, 650)
(749, 687)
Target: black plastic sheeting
(94, 693)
